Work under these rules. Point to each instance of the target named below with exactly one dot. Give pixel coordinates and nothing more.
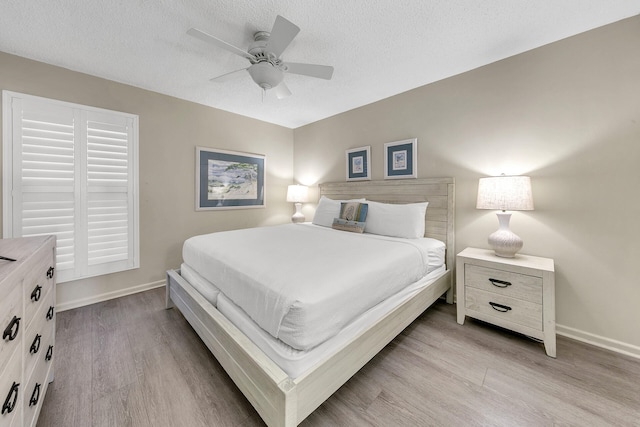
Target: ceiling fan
(267, 69)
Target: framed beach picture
(229, 179)
(401, 159)
(358, 163)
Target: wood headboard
(439, 192)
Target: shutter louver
(41, 216)
(108, 231)
(107, 155)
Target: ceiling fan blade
(312, 70)
(282, 91)
(194, 32)
(282, 34)
(227, 76)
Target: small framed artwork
(401, 159)
(358, 163)
(229, 179)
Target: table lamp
(297, 194)
(506, 193)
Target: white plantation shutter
(71, 171)
(109, 189)
(44, 177)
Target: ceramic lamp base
(505, 242)
(298, 216)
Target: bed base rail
(280, 400)
(263, 383)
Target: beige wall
(170, 129)
(568, 115)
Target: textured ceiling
(379, 48)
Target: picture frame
(401, 159)
(358, 163)
(229, 179)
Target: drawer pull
(35, 396)
(49, 354)
(35, 345)
(499, 283)
(10, 403)
(50, 272)
(499, 307)
(35, 295)
(50, 313)
(10, 333)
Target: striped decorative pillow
(354, 211)
(352, 217)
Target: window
(72, 171)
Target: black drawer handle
(499, 307)
(35, 295)
(499, 283)
(11, 331)
(12, 398)
(35, 396)
(35, 345)
(49, 354)
(50, 272)
(50, 313)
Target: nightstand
(513, 293)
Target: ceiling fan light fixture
(265, 75)
(267, 69)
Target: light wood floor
(130, 362)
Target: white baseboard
(109, 295)
(599, 341)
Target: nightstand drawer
(507, 283)
(513, 310)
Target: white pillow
(328, 209)
(393, 220)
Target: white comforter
(303, 283)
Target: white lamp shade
(512, 193)
(297, 193)
(507, 193)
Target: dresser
(27, 324)
(513, 293)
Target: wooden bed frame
(284, 401)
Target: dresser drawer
(507, 283)
(11, 390)
(35, 391)
(27, 293)
(12, 325)
(39, 335)
(37, 284)
(512, 310)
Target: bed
(285, 400)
